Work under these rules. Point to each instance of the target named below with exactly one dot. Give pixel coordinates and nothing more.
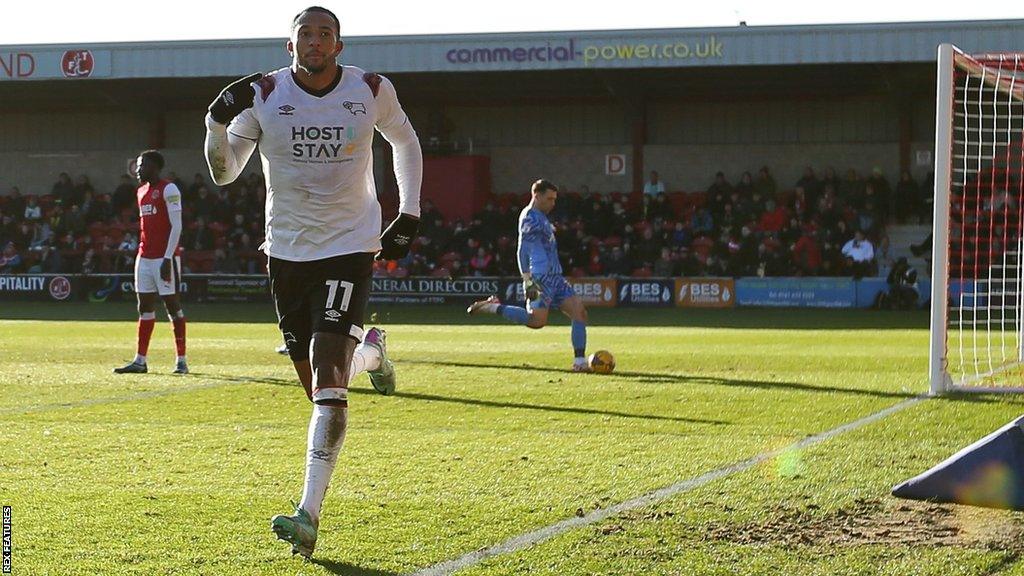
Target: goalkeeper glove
(398, 237)
(530, 288)
(234, 99)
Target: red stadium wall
(457, 185)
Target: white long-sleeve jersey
(317, 158)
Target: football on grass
(602, 362)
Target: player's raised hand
(233, 99)
(398, 237)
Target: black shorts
(328, 295)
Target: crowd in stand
(75, 229)
(820, 226)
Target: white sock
(325, 438)
(491, 308)
(181, 359)
(580, 360)
(364, 359)
(139, 359)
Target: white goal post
(977, 328)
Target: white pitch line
(537, 536)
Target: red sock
(145, 332)
(179, 335)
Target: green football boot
(383, 378)
(297, 529)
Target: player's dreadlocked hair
(322, 10)
(155, 156)
(541, 186)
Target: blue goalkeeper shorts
(554, 290)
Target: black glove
(234, 99)
(398, 237)
(165, 270)
(530, 289)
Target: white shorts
(147, 276)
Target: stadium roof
(535, 51)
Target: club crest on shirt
(354, 107)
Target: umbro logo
(354, 107)
(332, 315)
(286, 110)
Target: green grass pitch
(490, 437)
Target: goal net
(976, 336)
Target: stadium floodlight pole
(940, 380)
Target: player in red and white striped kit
(158, 265)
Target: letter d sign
(615, 165)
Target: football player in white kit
(314, 123)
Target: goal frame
(940, 380)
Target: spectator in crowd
(617, 263)
(127, 248)
(63, 189)
(765, 186)
(124, 195)
(830, 178)
(15, 202)
(908, 198)
(33, 211)
(860, 255)
(192, 192)
(774, 217)
(654, 185)
(57, 220)
(481, 263)
(883, 193)
(701, 222)
(74, 221)
(90, 262)
(718, 194)
(680, 236)
(198, 237)
(665, 265)
(808, 181)
(807, 253)
(10, 260)
(225, 261)
(884, 257)
(41, 235)
(99, 210)
(49, 261)
(744, 188)
(82, 190)
(851, 189)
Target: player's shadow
(658, 378)
(346, 569)
(477, 402)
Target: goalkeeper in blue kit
(543, 283)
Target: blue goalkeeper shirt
(538, 252)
